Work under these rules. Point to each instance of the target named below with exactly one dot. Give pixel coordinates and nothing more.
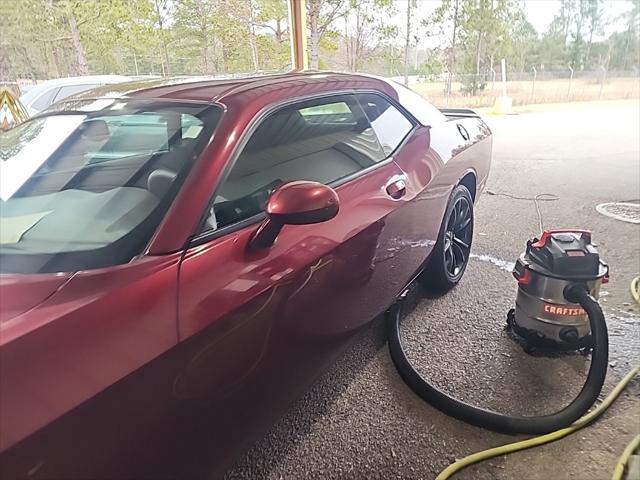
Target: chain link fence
(456, 89)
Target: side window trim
(200, 237)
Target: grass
(525, 93)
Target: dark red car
(180, 258)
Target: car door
(261, 323)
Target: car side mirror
(295, 203)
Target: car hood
(20, 293)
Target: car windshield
(87, 188)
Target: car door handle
(463, 131)
(396, 186)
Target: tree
(524, 52)
(197, 24)
(273, 15)
(321, 14)
(596, 21)
(632, 41)
(486, 30)
(52, 38)
(62, 37)
(562, 20)
(271, 21)
(162, 9)
(568, 29)
(366, 29)
(407, 44)
(222, 32)
(250, 24)
(446, 16)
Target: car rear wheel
(451, 253)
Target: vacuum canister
(559, 258)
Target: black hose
(507, 423)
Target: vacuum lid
(565, 253)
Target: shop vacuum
(559, 278)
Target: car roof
(258, 90)
(213, 89)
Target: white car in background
(47, 93)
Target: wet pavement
(360, 421)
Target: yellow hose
(635, 289)
(624, 458)
(542, 439)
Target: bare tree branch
(91, 18)
(330, 18)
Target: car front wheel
(451, 253)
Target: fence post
(604, 77)
(135, 62)
(533, 85)
(449, 80)
(570, 82)
(504, 77)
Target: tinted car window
(69, 90)
(323, 140)
(87, 188)
(390, 125)
(44, 100)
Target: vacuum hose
(575, 293)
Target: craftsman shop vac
(559, 278)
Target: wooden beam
(298, 23)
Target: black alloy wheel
(450, 255)
(457, 237)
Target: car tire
(450, 255)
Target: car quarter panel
(462, 155)
(435, 158)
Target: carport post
(298, 22)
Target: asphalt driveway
(360, 420)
